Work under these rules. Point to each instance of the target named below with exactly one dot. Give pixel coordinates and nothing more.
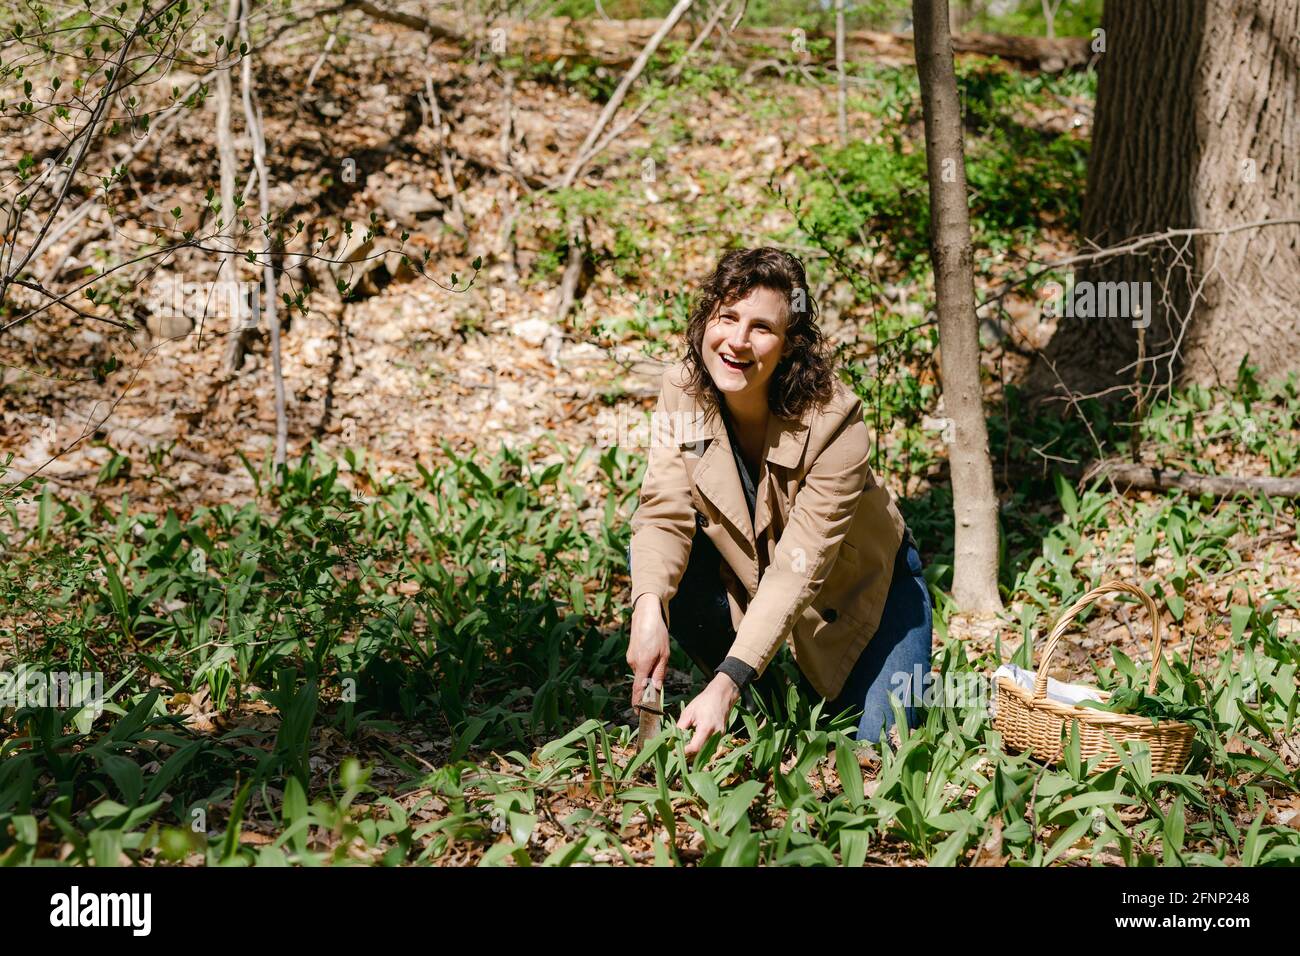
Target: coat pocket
(836, 602)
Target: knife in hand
(652, 714)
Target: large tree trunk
(975, 505)
(1198, 126)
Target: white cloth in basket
(1056, 690)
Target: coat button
(829, 614)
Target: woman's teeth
(732, 363)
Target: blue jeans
(897, 653)
(897, 659)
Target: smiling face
(743, 343)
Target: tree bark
(975, 505)
(1197, 126)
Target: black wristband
(738, 671)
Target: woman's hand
(647, 649)
(707, 713)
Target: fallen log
(617, 43)
(1131, 477)
(1151, 478)
(436, 30)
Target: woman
(760, 522)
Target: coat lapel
(786, 438)
(717, 479)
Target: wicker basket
(1029, 721)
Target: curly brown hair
(806, 374)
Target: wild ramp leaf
(1240, 616)
(812, 854)
(1083, 801)
(1176, 532)
(853, 847)
(125, 773)
(1174, 602)
(1067, 838)
(1254, 844)
(1287, 854)
(1065, 492)
(521, 826)
(951, 849)
(742, 849)
(850, 772)
(105, 846)
(1174, 826)
(114, 816)
(1144, 543)
(735, 805)
(552, 750)
(1283, 683)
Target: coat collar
(784, 444)
(717, 479)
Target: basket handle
(1040, 681)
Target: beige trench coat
(814, 567)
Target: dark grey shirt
(734, 667)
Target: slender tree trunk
(975, 505)
(700, 37)
(841, 99)
(960, 13)
(228, 161)
(253, 120)
(1197, 126)
(1049, 15)
(620, 93)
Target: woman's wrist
(725, 688)
(647, 603)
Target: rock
(179, 79)
(370, 266)
(410, 203)
(162, 325)
(532, 331)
